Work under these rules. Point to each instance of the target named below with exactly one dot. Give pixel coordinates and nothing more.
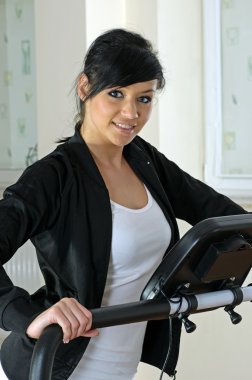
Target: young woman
(101, 212)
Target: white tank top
(139, 240)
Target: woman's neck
(104, 154)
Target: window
(228, 94)
(18, 142)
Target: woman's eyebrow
(150, 90)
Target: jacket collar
(82, 158)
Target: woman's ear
(83, 87)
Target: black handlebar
(44, 352)
(49, 341)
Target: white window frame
(235, 186)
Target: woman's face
(116, 115)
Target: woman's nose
(129, 110)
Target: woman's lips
(124, 127)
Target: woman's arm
(191, 200)
(28, 207)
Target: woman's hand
(74, 319)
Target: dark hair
(119, 57)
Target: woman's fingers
(74, 319)
(78, 317)
(91, 333)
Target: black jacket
(62, 204)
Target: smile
(126, 127)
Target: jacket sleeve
(192, 200)
(27, 208)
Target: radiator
(23, 268)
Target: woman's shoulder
(50, 172)
(152, 152)
(55, 161)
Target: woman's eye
(116, 94)
(145, 99)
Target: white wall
(181, 107)
(60, 47)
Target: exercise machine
(204, 271)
